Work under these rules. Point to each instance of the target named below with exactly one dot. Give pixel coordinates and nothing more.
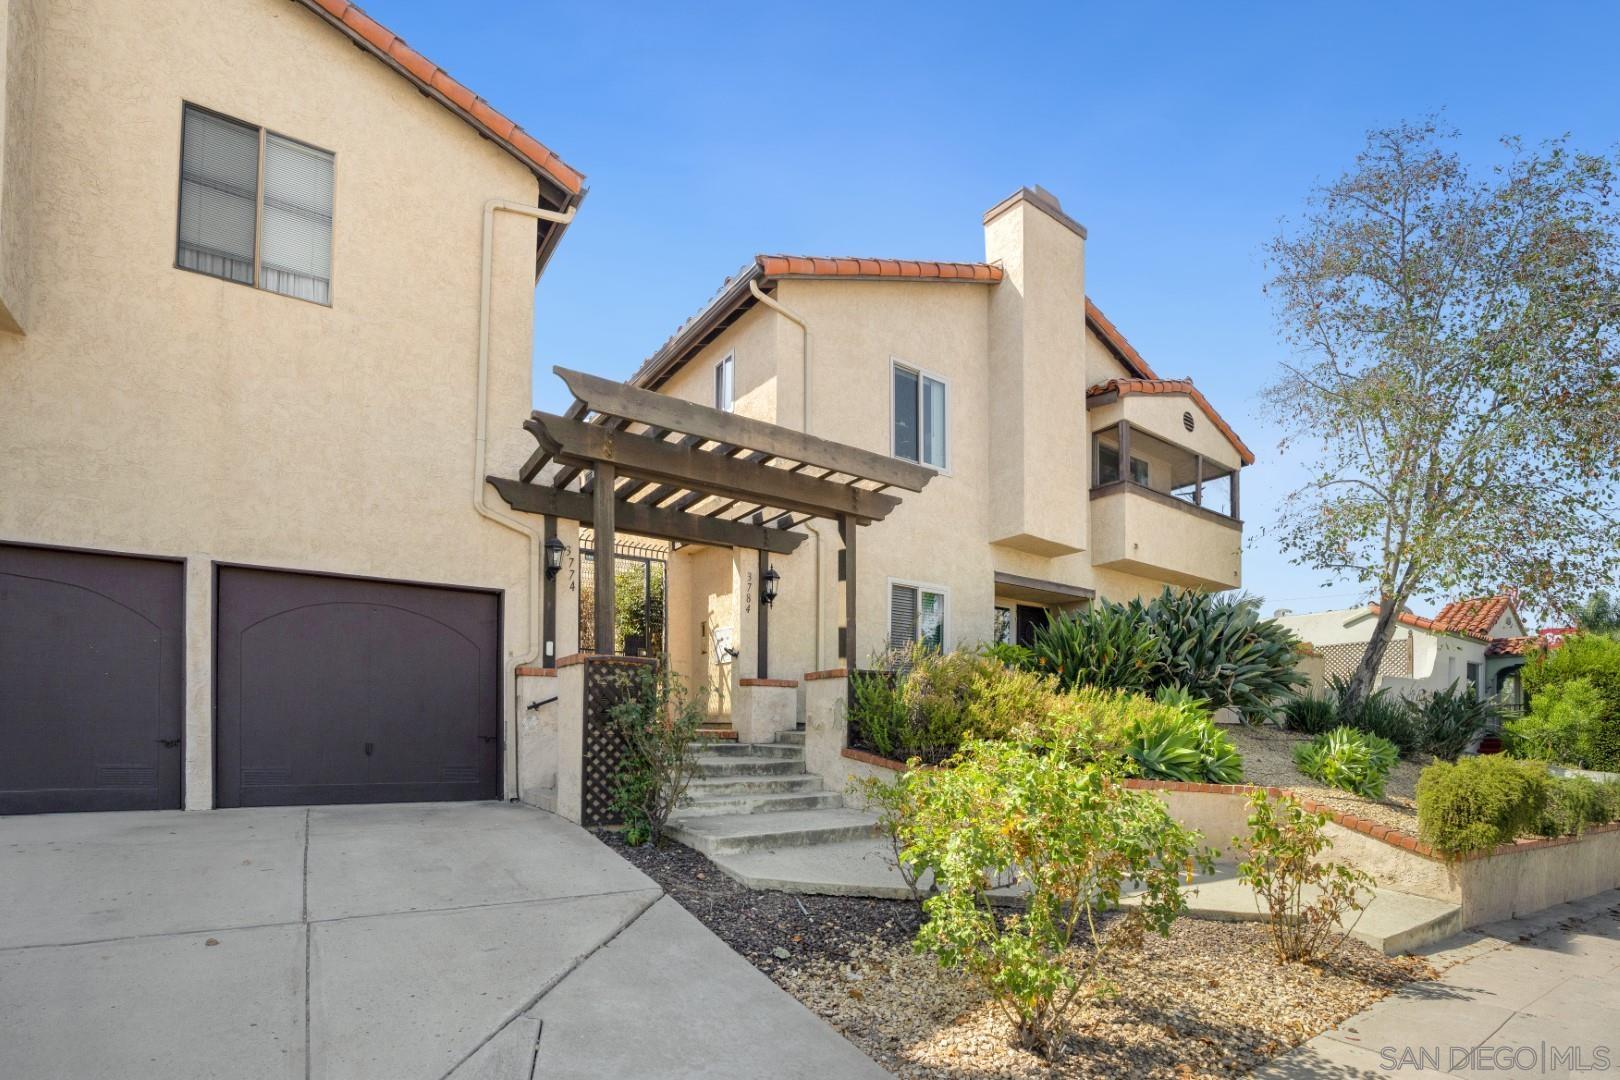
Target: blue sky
(1180, 134)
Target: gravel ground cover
(1207, 1001)
(1268, 760)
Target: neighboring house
(242, 248)
(1067, 469)
(1480, 641)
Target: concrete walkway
(1529, 997)
(442, 942)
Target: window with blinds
(916, 614)
(255, 207)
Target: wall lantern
(554, 556)
(768, 586)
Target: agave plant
(1176, 743)
(1448, 720)
(1219, 648)
(1310, 714)
(1105, 645)
(1348, 759)
(1381, 713)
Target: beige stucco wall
(1134, 532)
(19, 92)
(154, 410)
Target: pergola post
(846, 530)
(764, 616)
(548, 607)
(606, 579)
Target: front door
(1030, 617)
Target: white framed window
(255, 207)
(725, 376)
(920, 410)
(916, 614)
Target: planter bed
(1209, 1001)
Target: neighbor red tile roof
(1406, 618)
(391, 48)
(1512, 646)
(1473, 617)
(844, 266)
(1123, 387)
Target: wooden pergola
(626, 458)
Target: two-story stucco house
(266, 298)
(1066, 468)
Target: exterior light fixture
(554, 556)
(768, 585)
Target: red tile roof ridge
(365, 30)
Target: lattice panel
(1340, 660)
(604, 688)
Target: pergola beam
(660, 410)
(583, 445)
(645, 520)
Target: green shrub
(1105, 645)
(1086, 724)
(1563, 725)
(1447, 720)
(1479, 802)
(1573, 803)
(1220, 648)
(657, 719)
(1351, 760)
(1073, 836)
(1310, 714)
(1177, 740)
(1595, 658)
(1306, 900)
(1380, 713)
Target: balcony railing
(1161, 470)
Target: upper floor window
(255, 207)
(919, 417)
(725, 374)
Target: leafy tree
(1599, 613)
(1456, 380)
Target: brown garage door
(344, 690)
(91, 652)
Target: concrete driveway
(442, 941)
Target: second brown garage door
(346, 690)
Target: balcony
(1170, 514)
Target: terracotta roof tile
(365, 30)
(1123, 387)
(1116, 341)
(1473, 617)
(1406, 618)
(1512, 646)
(772, 266)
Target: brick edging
(1383, 833)
(873, 759)
(830, 673)
(788, 684)
(527, 669)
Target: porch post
(764, 616)
(606, 580)
(1235, 473)
(1124, 451)
(548, 632)
(1198, 479)
(846, 530)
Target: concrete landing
(725, 834)
(1394, 922)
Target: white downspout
(814, 526)
(480, 487)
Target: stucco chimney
(1038, 442)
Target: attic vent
(1187, 420)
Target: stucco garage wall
(154, 410)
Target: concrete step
(790, 738)
(706, 735)
(713, 805)
(713, 766)
(753, 750)
(757, 785)
(728, 833)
